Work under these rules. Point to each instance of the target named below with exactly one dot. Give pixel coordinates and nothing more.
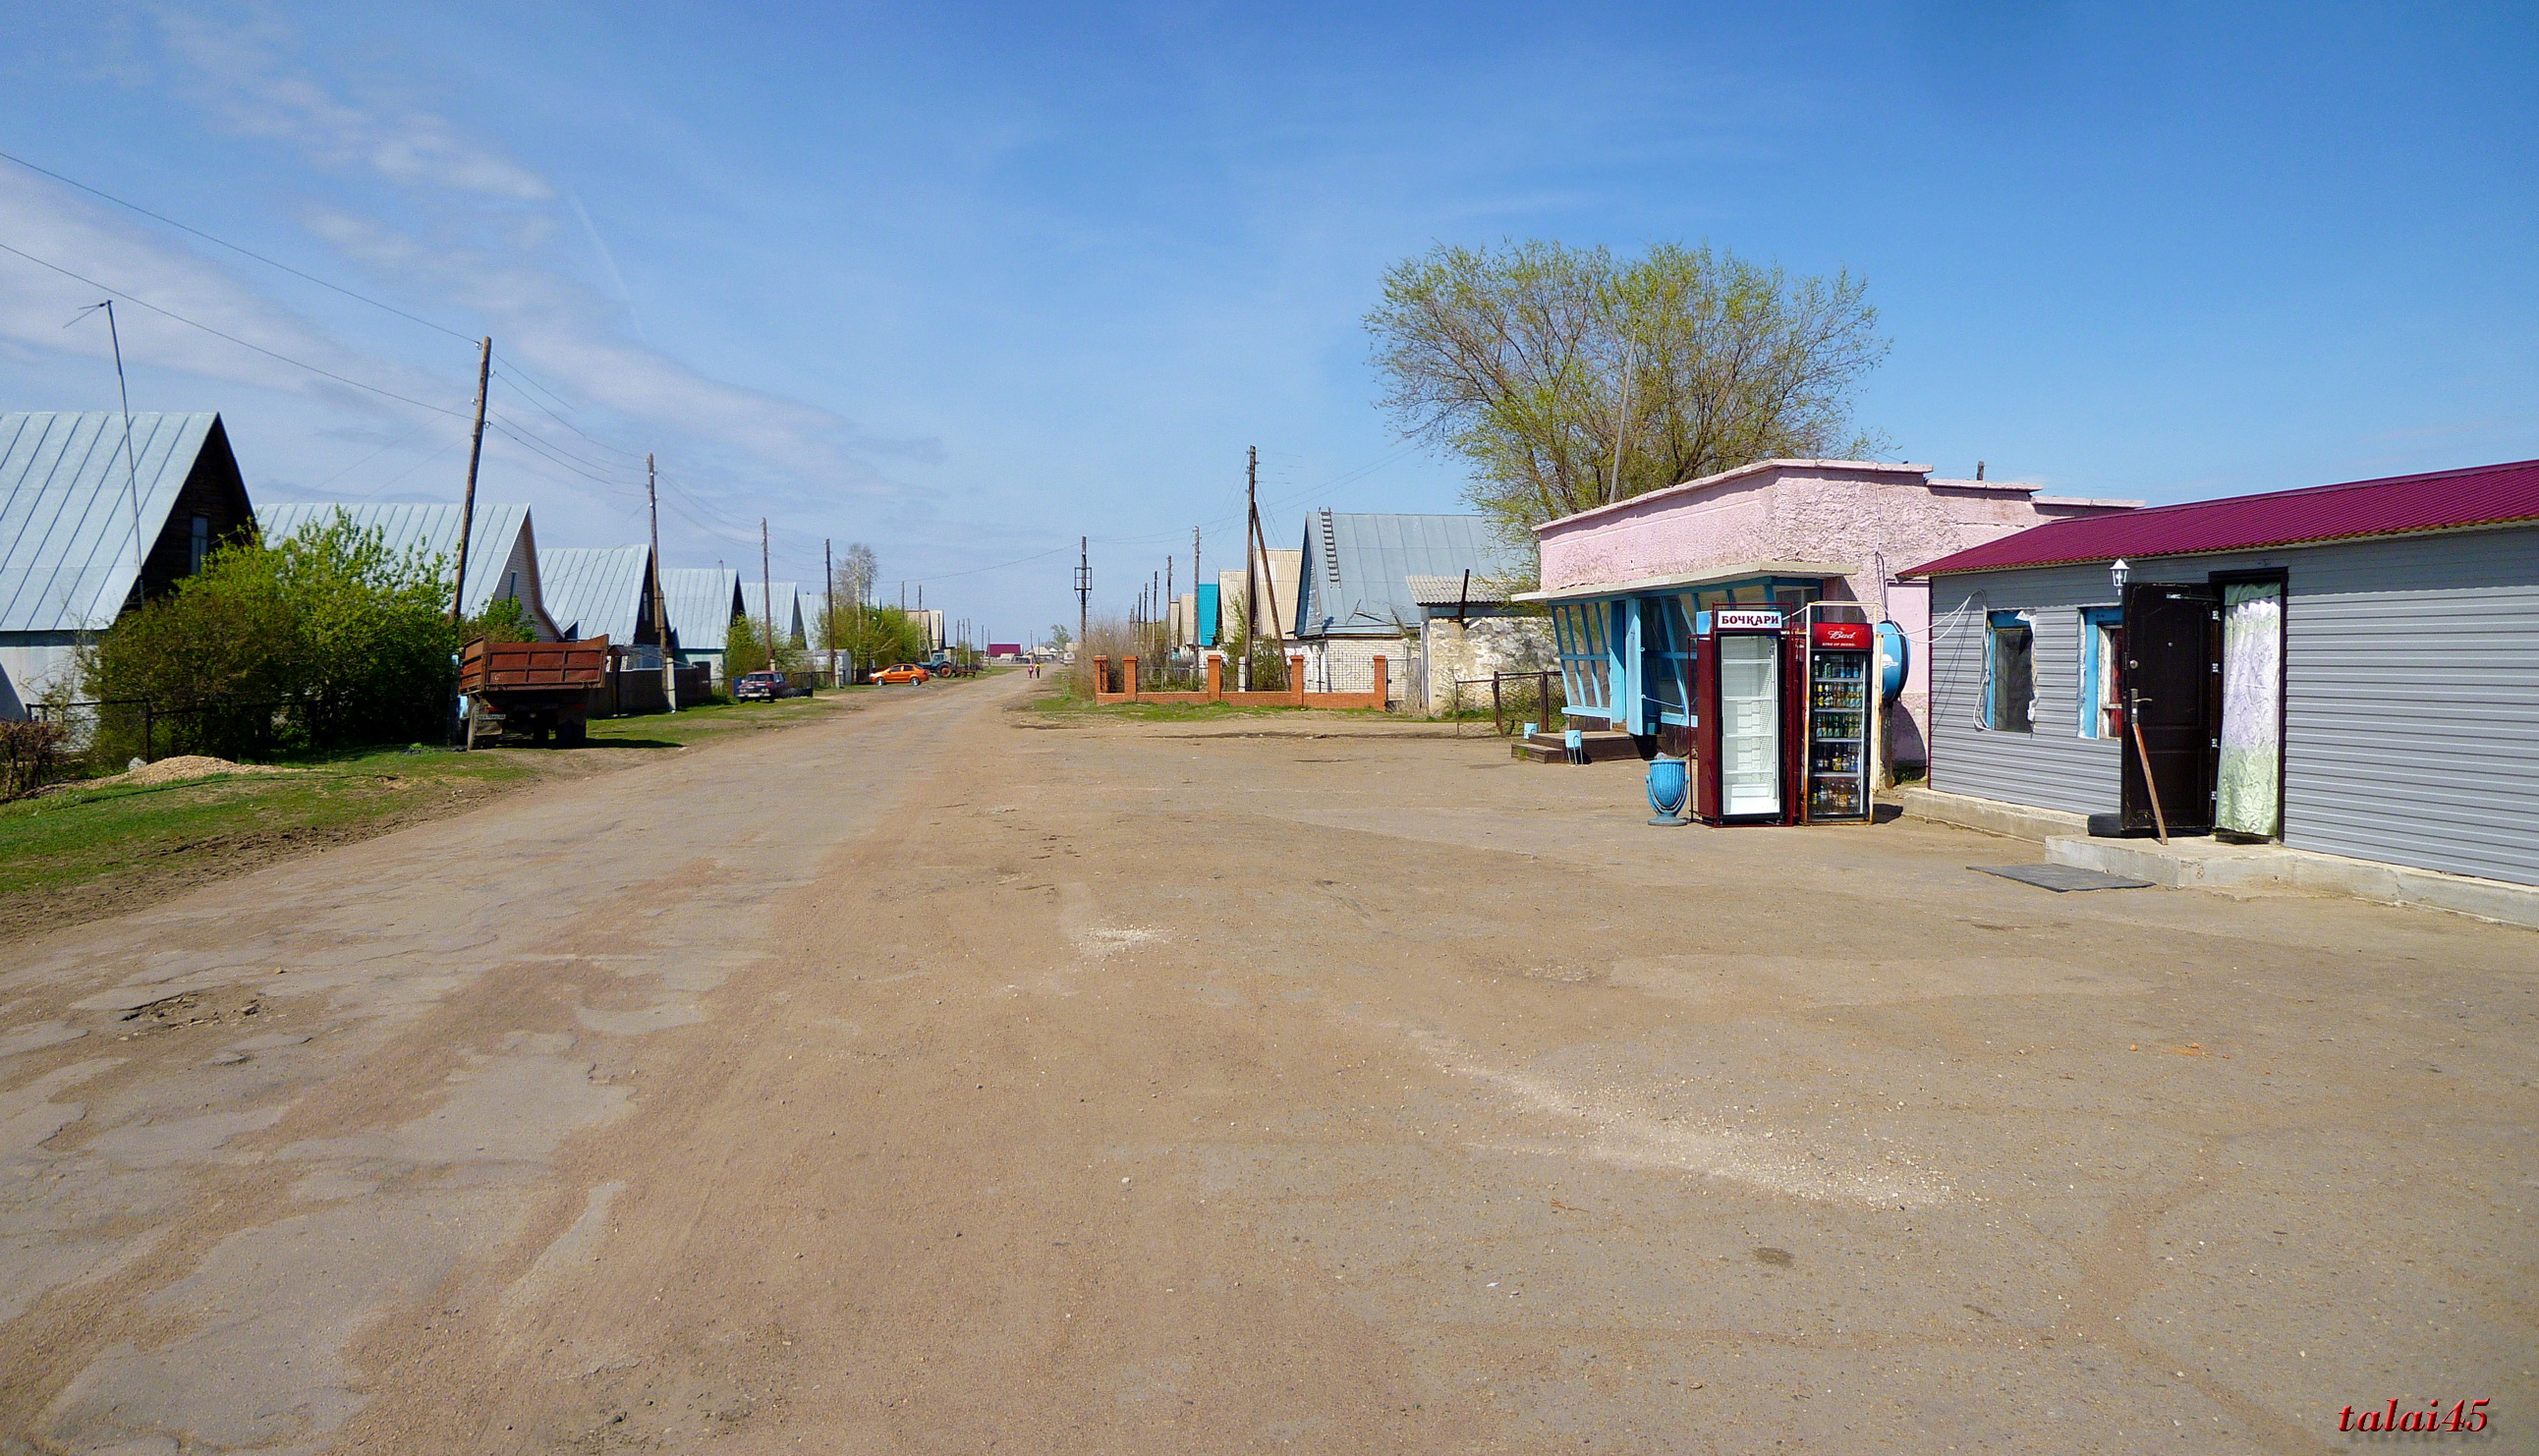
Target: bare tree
(859, 571)
(1570, 378)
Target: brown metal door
(2172, 694)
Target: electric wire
(518, 432)
(507, 376)
(231, 247)
(231, 337)
(517, 425)
(512, 368)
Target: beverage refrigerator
(1738, 716)
(1838, 723)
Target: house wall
(2411, 685)
(1876, 521)
(1346, 664)
(519, 577)
(211, 491)
(1276, 579)
(1476, 648)
(31, 664)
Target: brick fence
(1294, 696)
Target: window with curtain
(2009, 673)
(2247, 796)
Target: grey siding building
(2352, 669)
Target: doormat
(2061, 877)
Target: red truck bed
(495, 667)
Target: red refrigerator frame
(1857, 639)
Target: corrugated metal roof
(1447, 590)
(702, 602)
(405, 525)
(67, 552)
(788, 596)
(815, 605)
(595, 591)
(1356, 577)
(2400, 505)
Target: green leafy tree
(879, 636)
(351, 638)
(1568, 378)
(504, 619)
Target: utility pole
(660, 603)
(1172, 606)
(1083, 592)
(767, 593)
(829, 591)
(1251, 588)
(1193, 626)
(475, 451)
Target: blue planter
(1669, 785)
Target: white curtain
(2248, 797)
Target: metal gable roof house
(1356, 580)
(78, 545)
(702, 602)
(785, 611)
(601, 592)
(502, 546)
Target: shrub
(744, 652)
(27, 755)
(352, 639)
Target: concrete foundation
(2210, 864)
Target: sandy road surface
(935, 1080)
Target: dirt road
(945, 1079)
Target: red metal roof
(2445, 499)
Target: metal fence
(1171, 677)
(248, 731)
(1511, 700)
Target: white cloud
(248, 82)
(50, 222)
(567, 335)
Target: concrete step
(1601, 745)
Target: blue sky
(967, 283)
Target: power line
(231, 337)
(545, 452)
(558, 449)
(505, 378)
(511, 368)
(233, 248)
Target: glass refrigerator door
(1749, 723)
(1837, 736)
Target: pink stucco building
(1624, 580)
